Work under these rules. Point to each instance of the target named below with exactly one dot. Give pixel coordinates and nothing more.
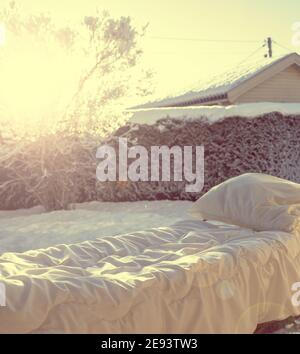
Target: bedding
(192, 277)
(254, 200)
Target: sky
(181, 61)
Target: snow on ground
(214, 113)
(23, 230)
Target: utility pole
(269, 43)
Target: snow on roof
(214, 113)
(219, 85)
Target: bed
(222, 276)
(194, 277)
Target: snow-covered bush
(52, 171)
(59, 169)
(267, 144)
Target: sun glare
(36, 82)
(2, 34)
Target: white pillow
(253, 200)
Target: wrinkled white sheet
(193, 277)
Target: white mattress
(193, 277)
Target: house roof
(229, 85)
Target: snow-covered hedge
(57, 170)
(269, 143)
(53, 171)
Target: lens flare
(37, 82)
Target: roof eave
(196, 101)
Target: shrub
(56, 170)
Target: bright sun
(37, 80)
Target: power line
(267, 43)
(205, 40)
(251, 54)
(178, 51)
(282, 46)
(241, 41)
